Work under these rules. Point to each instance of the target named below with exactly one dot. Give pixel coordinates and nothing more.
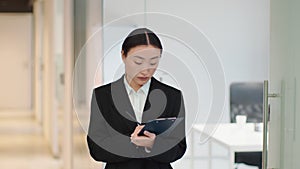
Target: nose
(145, 71)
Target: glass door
(283, 128)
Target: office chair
(247, 99)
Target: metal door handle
(266, 96)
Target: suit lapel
(121, 101)
(155, 102)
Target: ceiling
(16, 5)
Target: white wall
(16, 61)
(239, 31)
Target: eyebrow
(139, 57)
(155, 57)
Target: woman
(118, 109)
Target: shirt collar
(144, 88)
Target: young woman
(119, 109)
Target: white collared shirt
(137, 98)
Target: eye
(138, 63)
(153, 63)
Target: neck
(133, 85)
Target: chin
(141, 83)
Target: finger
(137, 141)
(137, 129)
(143, 141)
(140, 127)
(148, 134)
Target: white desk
(235, 138)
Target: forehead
(144, 51)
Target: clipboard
(159, 126)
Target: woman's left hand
(145, 141)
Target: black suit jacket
(112, 121)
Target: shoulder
(103, 88)
(106, 88)
(164, 87)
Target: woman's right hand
(146, 141)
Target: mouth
(143, 78)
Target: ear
(123, 55)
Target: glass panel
(284, 61)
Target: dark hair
(140, 36)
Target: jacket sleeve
(104, 143)
(167, 149)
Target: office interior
(54, 52)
